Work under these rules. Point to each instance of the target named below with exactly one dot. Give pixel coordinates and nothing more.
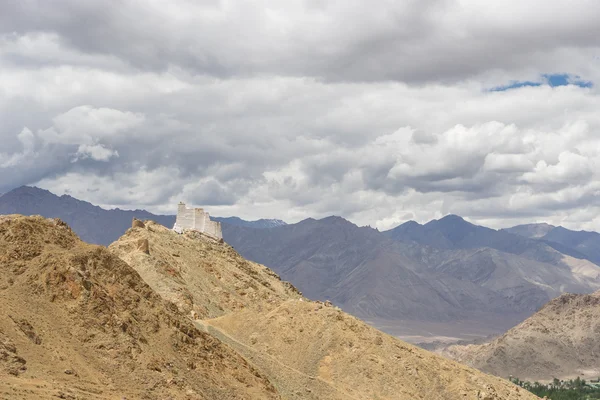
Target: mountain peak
(29, 190)
(452, 217)
(410, 223)
(450, 220)
(335, 219)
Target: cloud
(27, 139)
(86, 125)
(96, 152)
(304, 108)
(413, 41)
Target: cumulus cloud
(27, 139)
(96, 152)
(303, 108)
(86, 124)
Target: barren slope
(307, 349)
(199, 274)
(562, 340)
(77, 322)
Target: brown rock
(136, 223)
(143, 246)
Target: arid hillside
(77, 322)
(562, 340)
(203, 277)
(308, 350)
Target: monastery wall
(214, 229)
(185, 217)
(196, 219)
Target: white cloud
(86, 125)
(96, 152)
(27, 140)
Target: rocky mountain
(308, 350)
(77, 322)
(371, 275)
(559, 341)
(92, 223)
(584, 243)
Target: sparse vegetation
(573, 389)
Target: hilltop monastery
(196, 219)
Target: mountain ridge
(92, 223)
(308, 349)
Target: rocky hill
(77, 322)
(562, 340)
(203, 277)
(307, 349)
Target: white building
(196, 219)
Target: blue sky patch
(546, 79)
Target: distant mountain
(453, 232)
(586, 243)
(562, 340)
(371, 275)
(92, 223)
(581, 244)
(531, 231)
(258, 224)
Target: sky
(380, 112)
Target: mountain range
(447, 269)
(443, 271)
(92, 223)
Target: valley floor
(444, 333)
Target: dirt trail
(290, 382)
